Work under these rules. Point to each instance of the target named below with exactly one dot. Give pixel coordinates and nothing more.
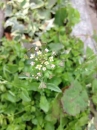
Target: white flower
(46, 63)
(39, 74)
(36, 59)
(32, 56)
(67, 51)
(38, 67)
(39, 53)
(46, 50)
(32, 63)
(51, 58)
(91, 122)
(44, 68)
(53, 53)
(37, 77)
(52, 66)
(36, 48)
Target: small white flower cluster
(42, 61)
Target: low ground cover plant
(52, 86)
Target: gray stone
(1, 23)
(83, 29)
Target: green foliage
(76, 101)
(46, 87)
(29, 16)
(67, 14)
(60, 16)
(44, 104)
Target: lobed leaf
(75, 99)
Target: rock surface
(84, 29)
(92, 13)
(1, 23)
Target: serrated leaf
(75, 99)
(53, 87)
(44, 104)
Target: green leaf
(56, 46)
(13, 127)
(94, 86)
(53, 87)
(60, 16)
(50, 118)
(56, 104)
(16, 26)
(10, 96)
(55, 80)
(40, 119)
(89, 52)
(44, 104)
(94, 36)
(73, 16)
(49, 126)
(67, 77)
(51, 3)
(82, 120)
(33, 86)
(75, 99)
(94, 98)
(23, 3)
(12, 68)
(45, 14)
(38, 5)
(60, 128)
(8, 11)
(25, 95)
